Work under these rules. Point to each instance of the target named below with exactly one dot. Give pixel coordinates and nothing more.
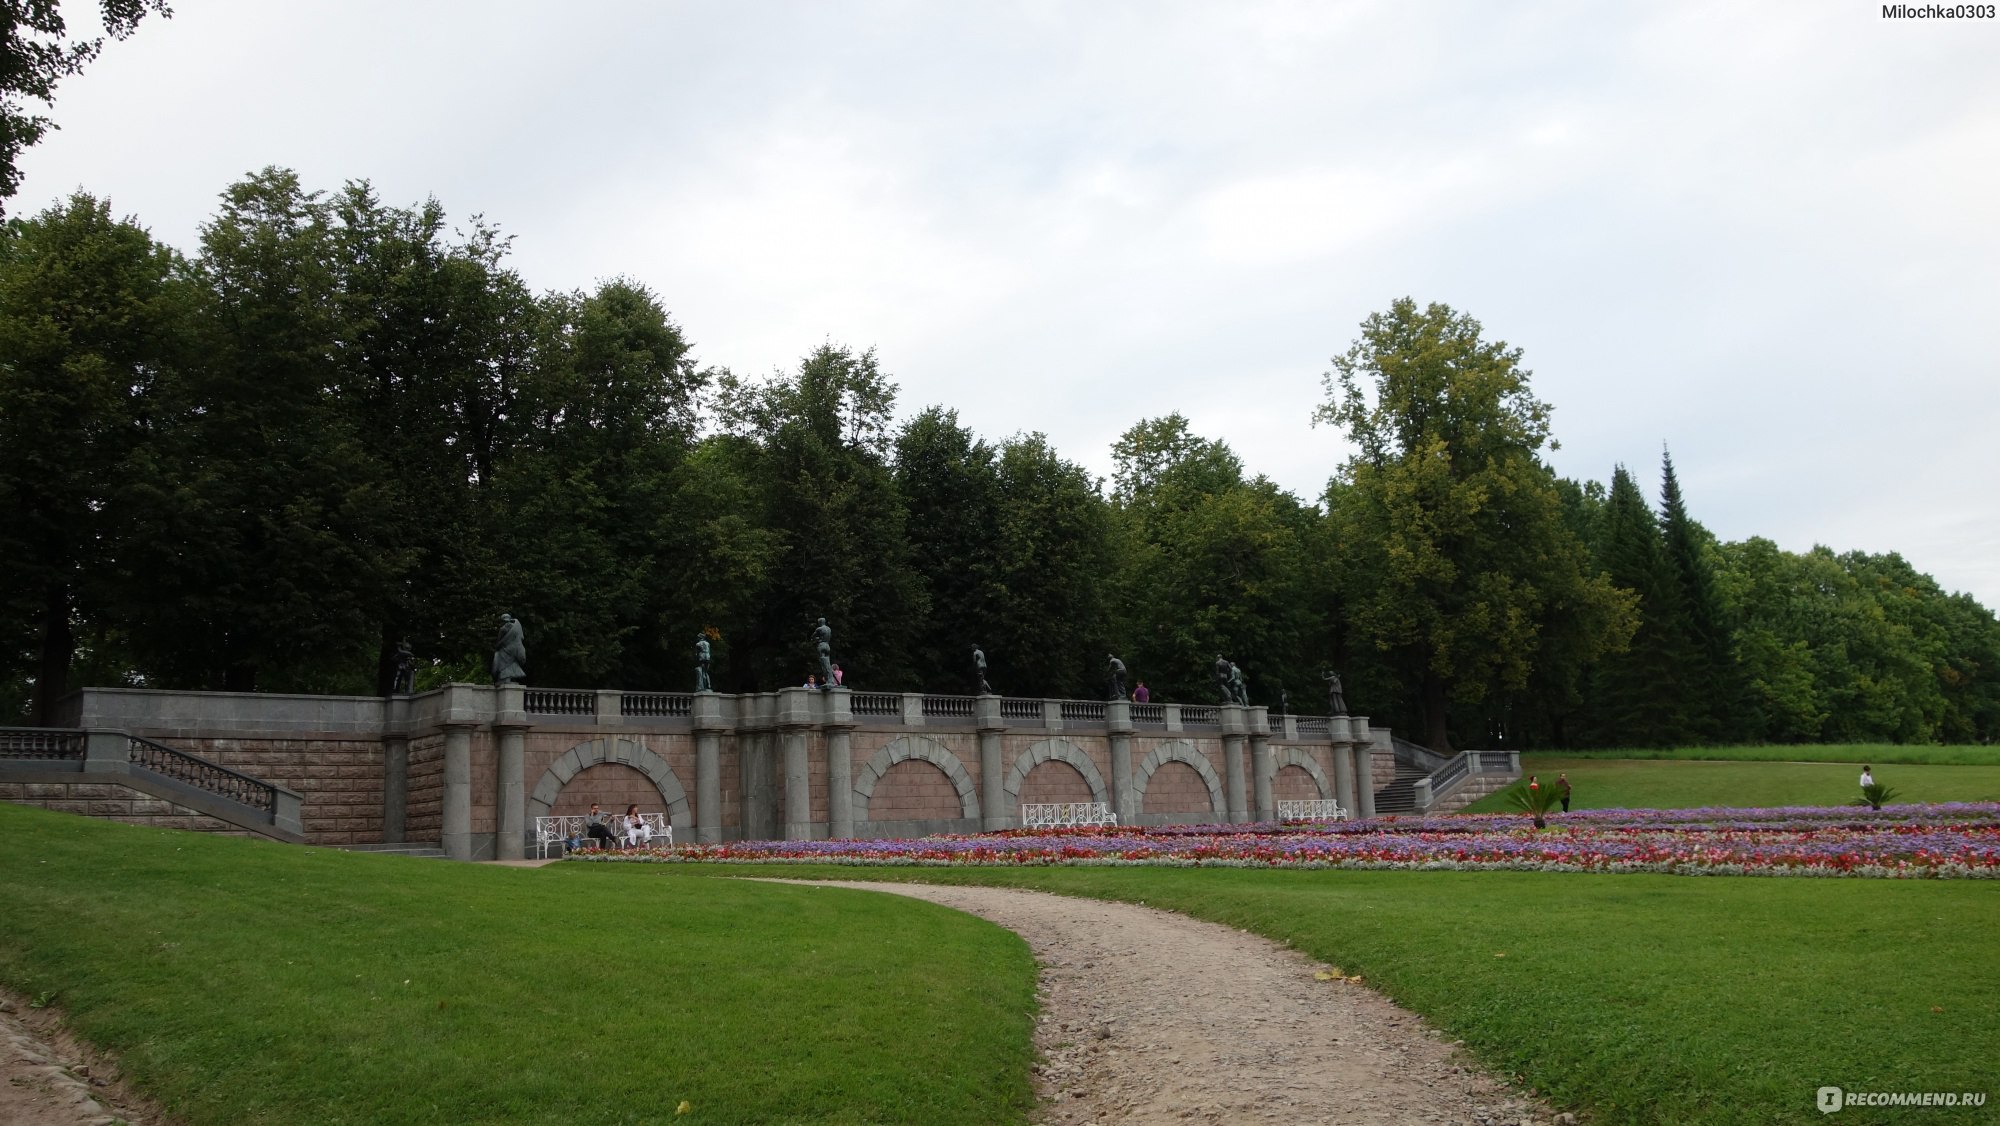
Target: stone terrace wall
(340, 780)
(112, 802)
(424, 803)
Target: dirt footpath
(48, 1079)
(1152, 1017)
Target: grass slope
(1598, 782)
(1877, 753)
(244, 982)
(1635, 998)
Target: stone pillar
(1263, 764)
(795, 718)
(759, 781)
(1235, 726)
(709, 726)
(992, 780)
(837, 720)
(456, 817)
(1118, 723)
(1343, 780)
(510, 818)
(1364, 767)
(395, 787)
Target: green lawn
(1634, 998)
(245, 982)
(1876, 753)
(1599, 782)
(250, 982)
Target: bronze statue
(979, 667)
(1222, 667)
(406, 670)
(1117, 669)
(823, 641)
(510, 656)
(1336, 699)
(1239, 693)
(701, 664)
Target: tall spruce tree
(1637, 697)
(1714, 692)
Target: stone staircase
(1399, 796)
(409, 848)
(1474, 788)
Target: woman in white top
(637, 833)
(1867, 777)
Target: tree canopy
(339, 423)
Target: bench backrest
(562, 827)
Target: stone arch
(1292, 756)
(625, 752)
(1053, 750)
(1182, 751)
(920, 747)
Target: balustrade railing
(656, 705)
(559, 701)
(1311, 725)
(875, 704)
(1016, 708)
(1495, 762)
(193, 770)
(1083, 711)
(41, 744)
(948, 707)
(1200, 715)
(1149, 715)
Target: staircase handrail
(200, 773)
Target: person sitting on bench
(637, 833)
(597, 829)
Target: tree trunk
(58, 650)
(1435, 736)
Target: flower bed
(1959, 840)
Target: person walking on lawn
(1562, 790)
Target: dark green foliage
(90, 309)
(344, 424)
(1639, 697)
(35, 55)
(1213, 565)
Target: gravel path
(48, 1079)
(1153, 1017)
(1147, 1017)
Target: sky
(1763, 234)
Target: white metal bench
(1319, 810)
(551, 831)
(1067, 815)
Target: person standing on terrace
(1140, 695)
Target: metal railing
(193, 770)
(656, 705)
(875, 704)
(41, 744)
(559, 701)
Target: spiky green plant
(1875, 795)
(1535, 802)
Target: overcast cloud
(1762, 233)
